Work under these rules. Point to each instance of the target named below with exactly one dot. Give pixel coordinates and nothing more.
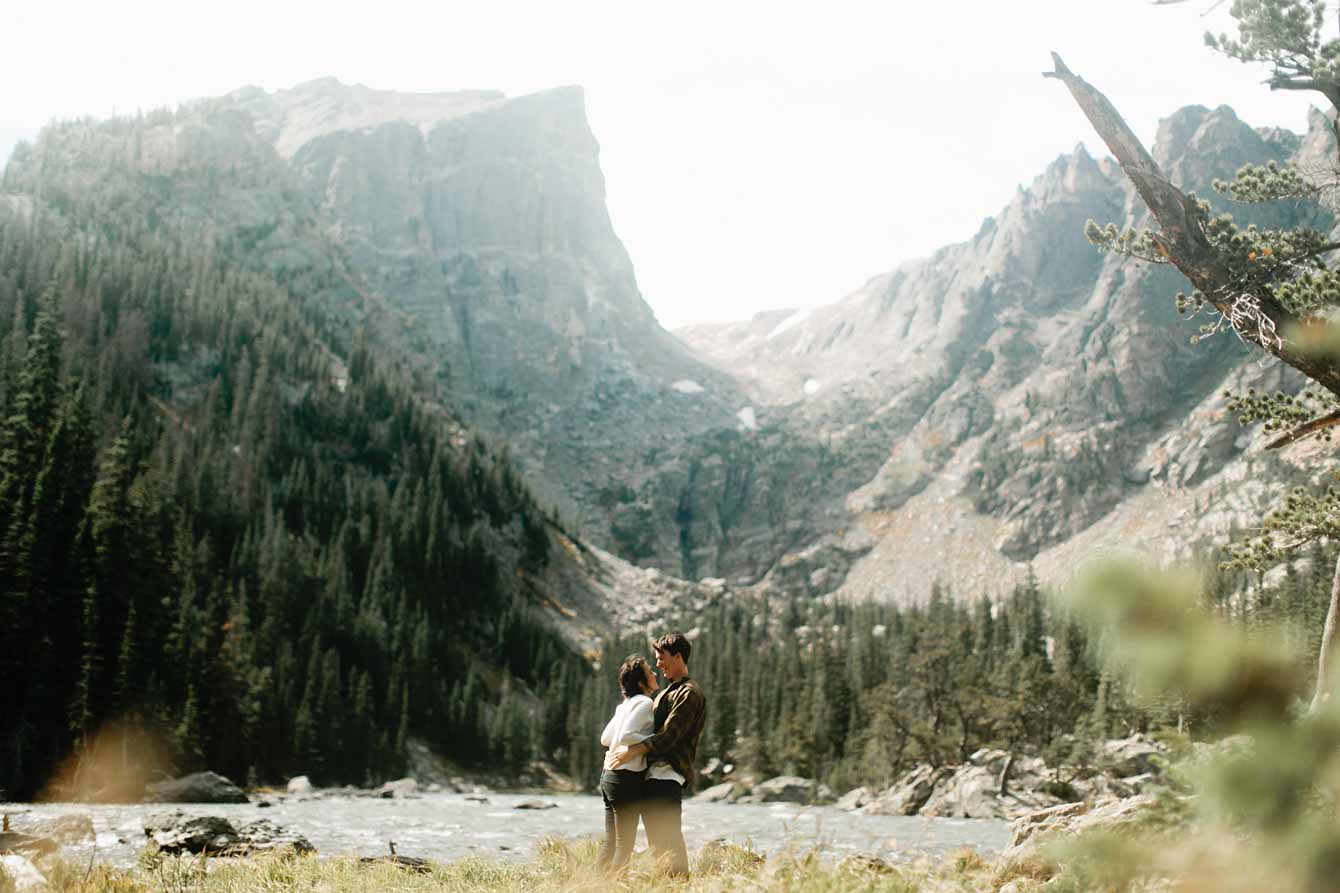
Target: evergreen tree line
(226, 521)
(856, 695)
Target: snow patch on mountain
(789, 323)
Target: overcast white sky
(756, 155)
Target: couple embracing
(651, 745)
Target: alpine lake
(444, 827)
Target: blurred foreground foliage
(1255, 809)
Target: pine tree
(1275, 288)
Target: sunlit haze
(756, 155)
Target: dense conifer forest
(224, 518)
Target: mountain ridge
(1040, 384)
(1018, 374)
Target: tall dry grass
(560, 866)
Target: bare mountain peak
(293, 117)
(1211, 136)
(1316, 151)
(1069, 175)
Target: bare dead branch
(1320, 423)
(1182, 238)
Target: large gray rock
(726, 792)
(855, 798)
(783, 789)
(1074, 818)
(972, 791)
(910, 793)
(398, 789)
(177, 833)
(264, 836)
(199, 787)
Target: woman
(621, 789)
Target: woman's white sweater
(632, 723)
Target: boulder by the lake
(855, 799)
(1074, 818)
(970, 793)
(991, 786)
(782, 789)
(22, 874)
(198, 787)
(264, 836)
(910, 793)
(994, 784)
(177, 832)
(300, 786)
(1024, 827)
(726, 792)
(398, 789)
(535, 804)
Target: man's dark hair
(633, 675)
(674, 643)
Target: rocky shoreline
(1109, 789)
(992, 784)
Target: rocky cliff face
(1020, 397)
(484, 219)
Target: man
(680, 710)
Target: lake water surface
(447, 826)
